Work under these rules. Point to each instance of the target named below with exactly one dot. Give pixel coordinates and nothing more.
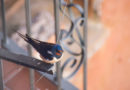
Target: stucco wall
(109, 68)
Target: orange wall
(109, 68)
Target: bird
(49, 52)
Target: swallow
(49, 52)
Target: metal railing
(68, 34)
(4, 40)
(57, 24)
(61, 36)
(28, 28)
(85, 44)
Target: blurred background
(108, 43)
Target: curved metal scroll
(68, 34)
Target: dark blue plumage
(48, 51)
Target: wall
(109, 68)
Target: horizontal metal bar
(26, 61)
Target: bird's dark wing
(41, 47)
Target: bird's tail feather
(26, 37)
(22, 36)
(30, 40)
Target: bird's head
(57, 51)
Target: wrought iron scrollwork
(68, 34)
